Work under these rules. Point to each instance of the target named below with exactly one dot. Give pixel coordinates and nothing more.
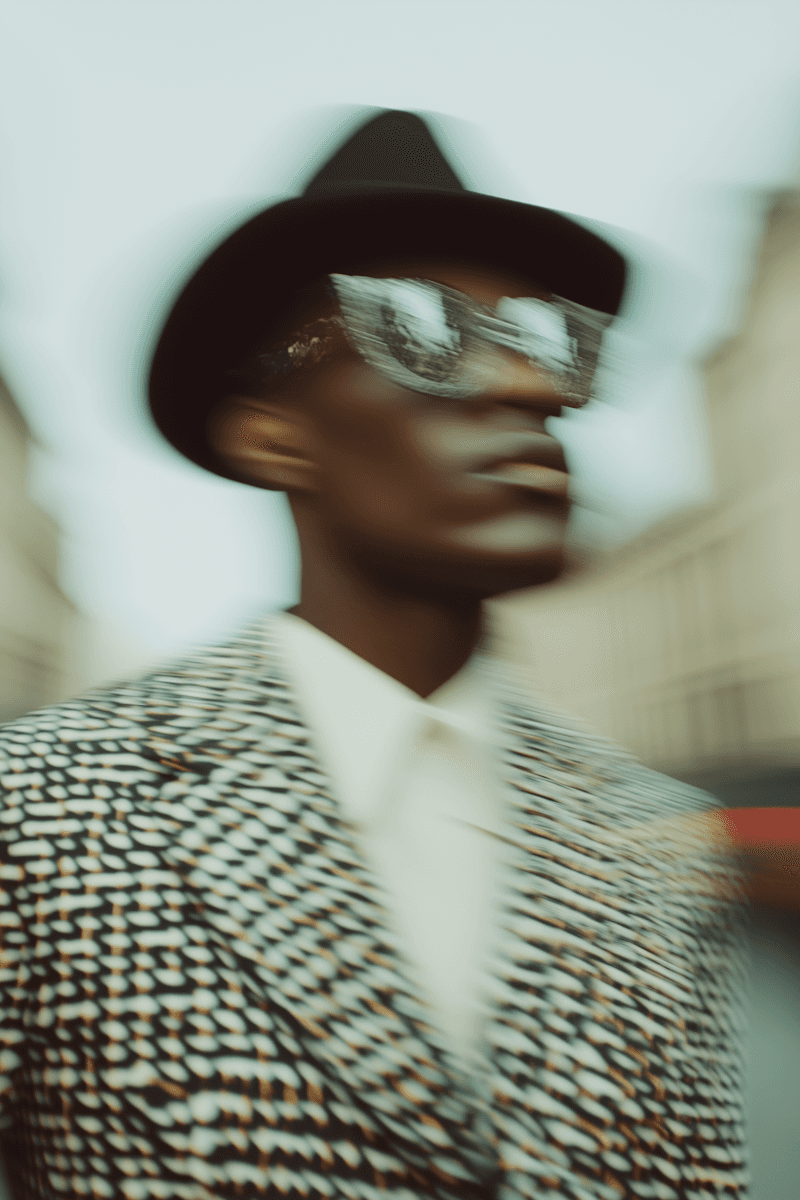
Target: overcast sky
(134, 132)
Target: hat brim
(238, 292)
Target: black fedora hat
(387, 191)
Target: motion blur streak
(123, 127)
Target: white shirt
(418, 780)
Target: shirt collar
(361, 719)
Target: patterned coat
(201, 994)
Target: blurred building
(685, 645)
(38, 622)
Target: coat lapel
(258, 836)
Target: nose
(510, 379)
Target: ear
(265, 443)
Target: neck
(419, 641)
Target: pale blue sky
(132, 131)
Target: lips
(528, 475)
(542, 469)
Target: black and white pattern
(201, 994)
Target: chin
(473, 562)
(511, 552)
(455, 576)
(511, 573)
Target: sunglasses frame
(477, 324)
(358, 297)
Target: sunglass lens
(542, 332)
(421, 330)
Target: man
(335, 908)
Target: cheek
(375, 465)
(374, 486)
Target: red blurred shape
(763, 826)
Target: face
(428, 495)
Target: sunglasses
(432, 339)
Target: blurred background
(135, 133)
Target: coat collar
(364, 722)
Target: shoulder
(115, 718)
(552, 739)
(68, 774)
(90, 789)
(105, 755)
(127, 712)
(661, 829)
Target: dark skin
(400, 544)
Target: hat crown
(394, 150)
